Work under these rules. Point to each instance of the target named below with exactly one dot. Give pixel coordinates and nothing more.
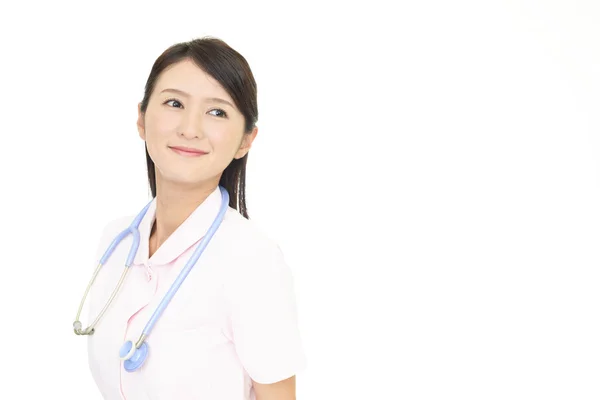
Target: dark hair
(231, 70)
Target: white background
(430, 171)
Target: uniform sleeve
(264, 322)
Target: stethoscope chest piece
(133, 357)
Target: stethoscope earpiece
(132, 357)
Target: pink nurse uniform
(232, 321)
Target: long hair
(231, 70)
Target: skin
(190, 108)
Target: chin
(185, 179)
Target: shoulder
(247, 233)
(115, 226)
(110, 230)
(252, 249)
(257, 278)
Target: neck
(174, 204)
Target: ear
(140, 123)
(247, 140)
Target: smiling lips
(187, 151)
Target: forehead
(187, 76)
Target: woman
(230, 330)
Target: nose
(191, 126)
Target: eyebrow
(210, 99)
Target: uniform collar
(184, 237)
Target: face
(191, 127)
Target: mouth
(187, 151)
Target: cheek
(158, 127)
(226, 143)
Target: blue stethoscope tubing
(134, 355)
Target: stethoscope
(132, 354)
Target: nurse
(230, 330)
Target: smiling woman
(222, 325)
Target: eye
(220, 113)
(176, 103)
